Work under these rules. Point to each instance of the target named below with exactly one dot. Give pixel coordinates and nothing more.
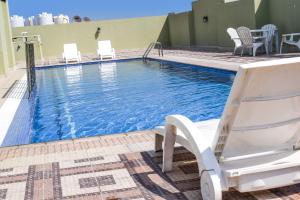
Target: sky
(99, 9)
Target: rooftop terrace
(122, 166)
(125, 166)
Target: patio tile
(112, 172)
(116, 170)
(262, 195)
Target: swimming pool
(117, 97)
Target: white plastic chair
(235, 38)
(105, 50)
(71, 53)
(256, 144)
(269, 34)
(248, 42)
(290, 40)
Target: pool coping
(9, 111)
(191, 64)
(216, 64)
(179, 60)
(40, 67)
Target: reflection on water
(107, 70)
(108, 73)
(73, 73)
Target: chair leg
(298, 45)
(158, 142)
(169, 142)
(254, 51)
(281, 46)
(271, 47)
(242, 52)
(267, 48)
(210, 186)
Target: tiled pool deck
(8, 81)
(109, 167)
(122, 166)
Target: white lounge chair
(71, 53)
(235, 38)
(249, 42)
(105, 50)
(290, 40)
(269, 34)
(256, 143)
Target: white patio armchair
(71, 53)
(235, 38)
(269, 34)
(105, 50)
(256, 143)
(290, 40)
(249, 42)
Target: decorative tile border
(3, 193)
(30, 183)
(6, 170)
(96, 181)
(84, 169)
(89, 159)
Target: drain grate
(18, 90)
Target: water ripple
(98, 99)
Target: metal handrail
(151, 46)
(30, 64)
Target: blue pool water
(97, 99)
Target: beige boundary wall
(181, 29)
(133, 33)
(189, 28)
(7, 59)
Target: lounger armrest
(291, 34)
(259, 37)
(290, 37)
(201, 148)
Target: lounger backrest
(70, 50)
(245, 36)
(271, 28)
(105, 46)
(262, 114)
(234, 36)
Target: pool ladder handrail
(30, 64)
(151, 46)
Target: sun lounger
(71, 53)
(255, 145)
(105, 50)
